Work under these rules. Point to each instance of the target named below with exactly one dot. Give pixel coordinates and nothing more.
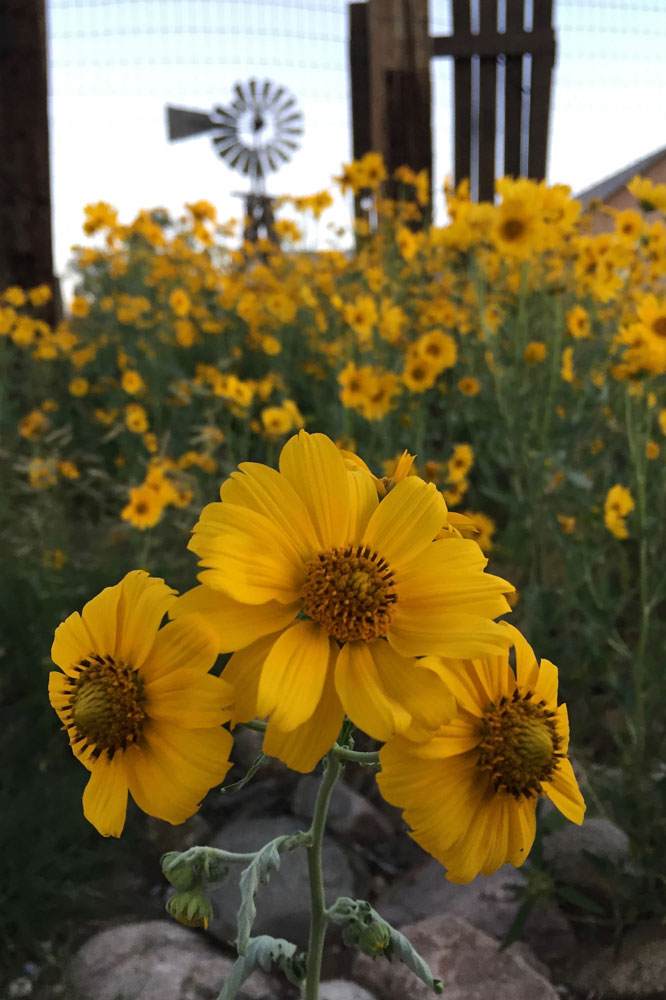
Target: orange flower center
(512, 229)
(520, 746)
(105, 707)
(350, 592)
(659, 326)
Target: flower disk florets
(520, 745)
(350, 592)
(105, 704)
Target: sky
(115, 64)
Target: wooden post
(26, 256)
(393, 38)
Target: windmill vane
(256, 133)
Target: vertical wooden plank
(359, 78)
(542, 70)
(462, 96)
(513, 94)
(26, 257)
(487, 104)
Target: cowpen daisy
(469, 791)
(141, 710)
(328, 595)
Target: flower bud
(192, 908)
(178, 871)
(374, 939)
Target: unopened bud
(192, 908)
(374, 939)
(179, 872)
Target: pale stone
(468, 961)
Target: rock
(639, 971)
(349, 814)
(282, 904)
(342, 989)
(567, 853)
(488, 903)
(155, 960)
(467, 960)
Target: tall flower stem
(318, 913)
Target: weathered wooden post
(26, 255)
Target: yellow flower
(469, 386)
(485, 529)
(131, 382)
(438, 348)
(144, 509)
(136, 418)
(567, 523)
(535, 351)
(649, 196)
(68, 470)
(329, 594)
(469, 792)
(419, 374)
(79, 306)
(619, 502)
(276, 421)
(40, 295)
(661, 420)
(14, 296)
(652, 450)
(32, 425)
(79, 387)
(141, 710)
(42, 473)
(460, 463)
(567, 369)
(179, 301)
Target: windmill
(256, 133)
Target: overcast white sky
(115, 64)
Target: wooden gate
(503, 53)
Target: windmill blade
(241, 99)
(185, 122)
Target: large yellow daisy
(141, 710)
(469, 791)
(331, 594)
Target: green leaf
(580, 900)
(247, 777)
(264, 952)
(362, 925)
(257, 873)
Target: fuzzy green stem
(318, 913)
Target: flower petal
(303, 747)
(173, 768)
(71, 643)
(455, 636)
(235, 625)
(105, 796)
(186, 643)
(315, 468)
(267, 492)
(527, 665)
(406, 521)
(364, 696)
(243, 672)
(564, 793)
(246, 555)
(364, 501)
(293, 675)
(414, 686)
(144, 601)
(546, 685)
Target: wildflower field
(516, 351)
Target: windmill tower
(255, 134)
